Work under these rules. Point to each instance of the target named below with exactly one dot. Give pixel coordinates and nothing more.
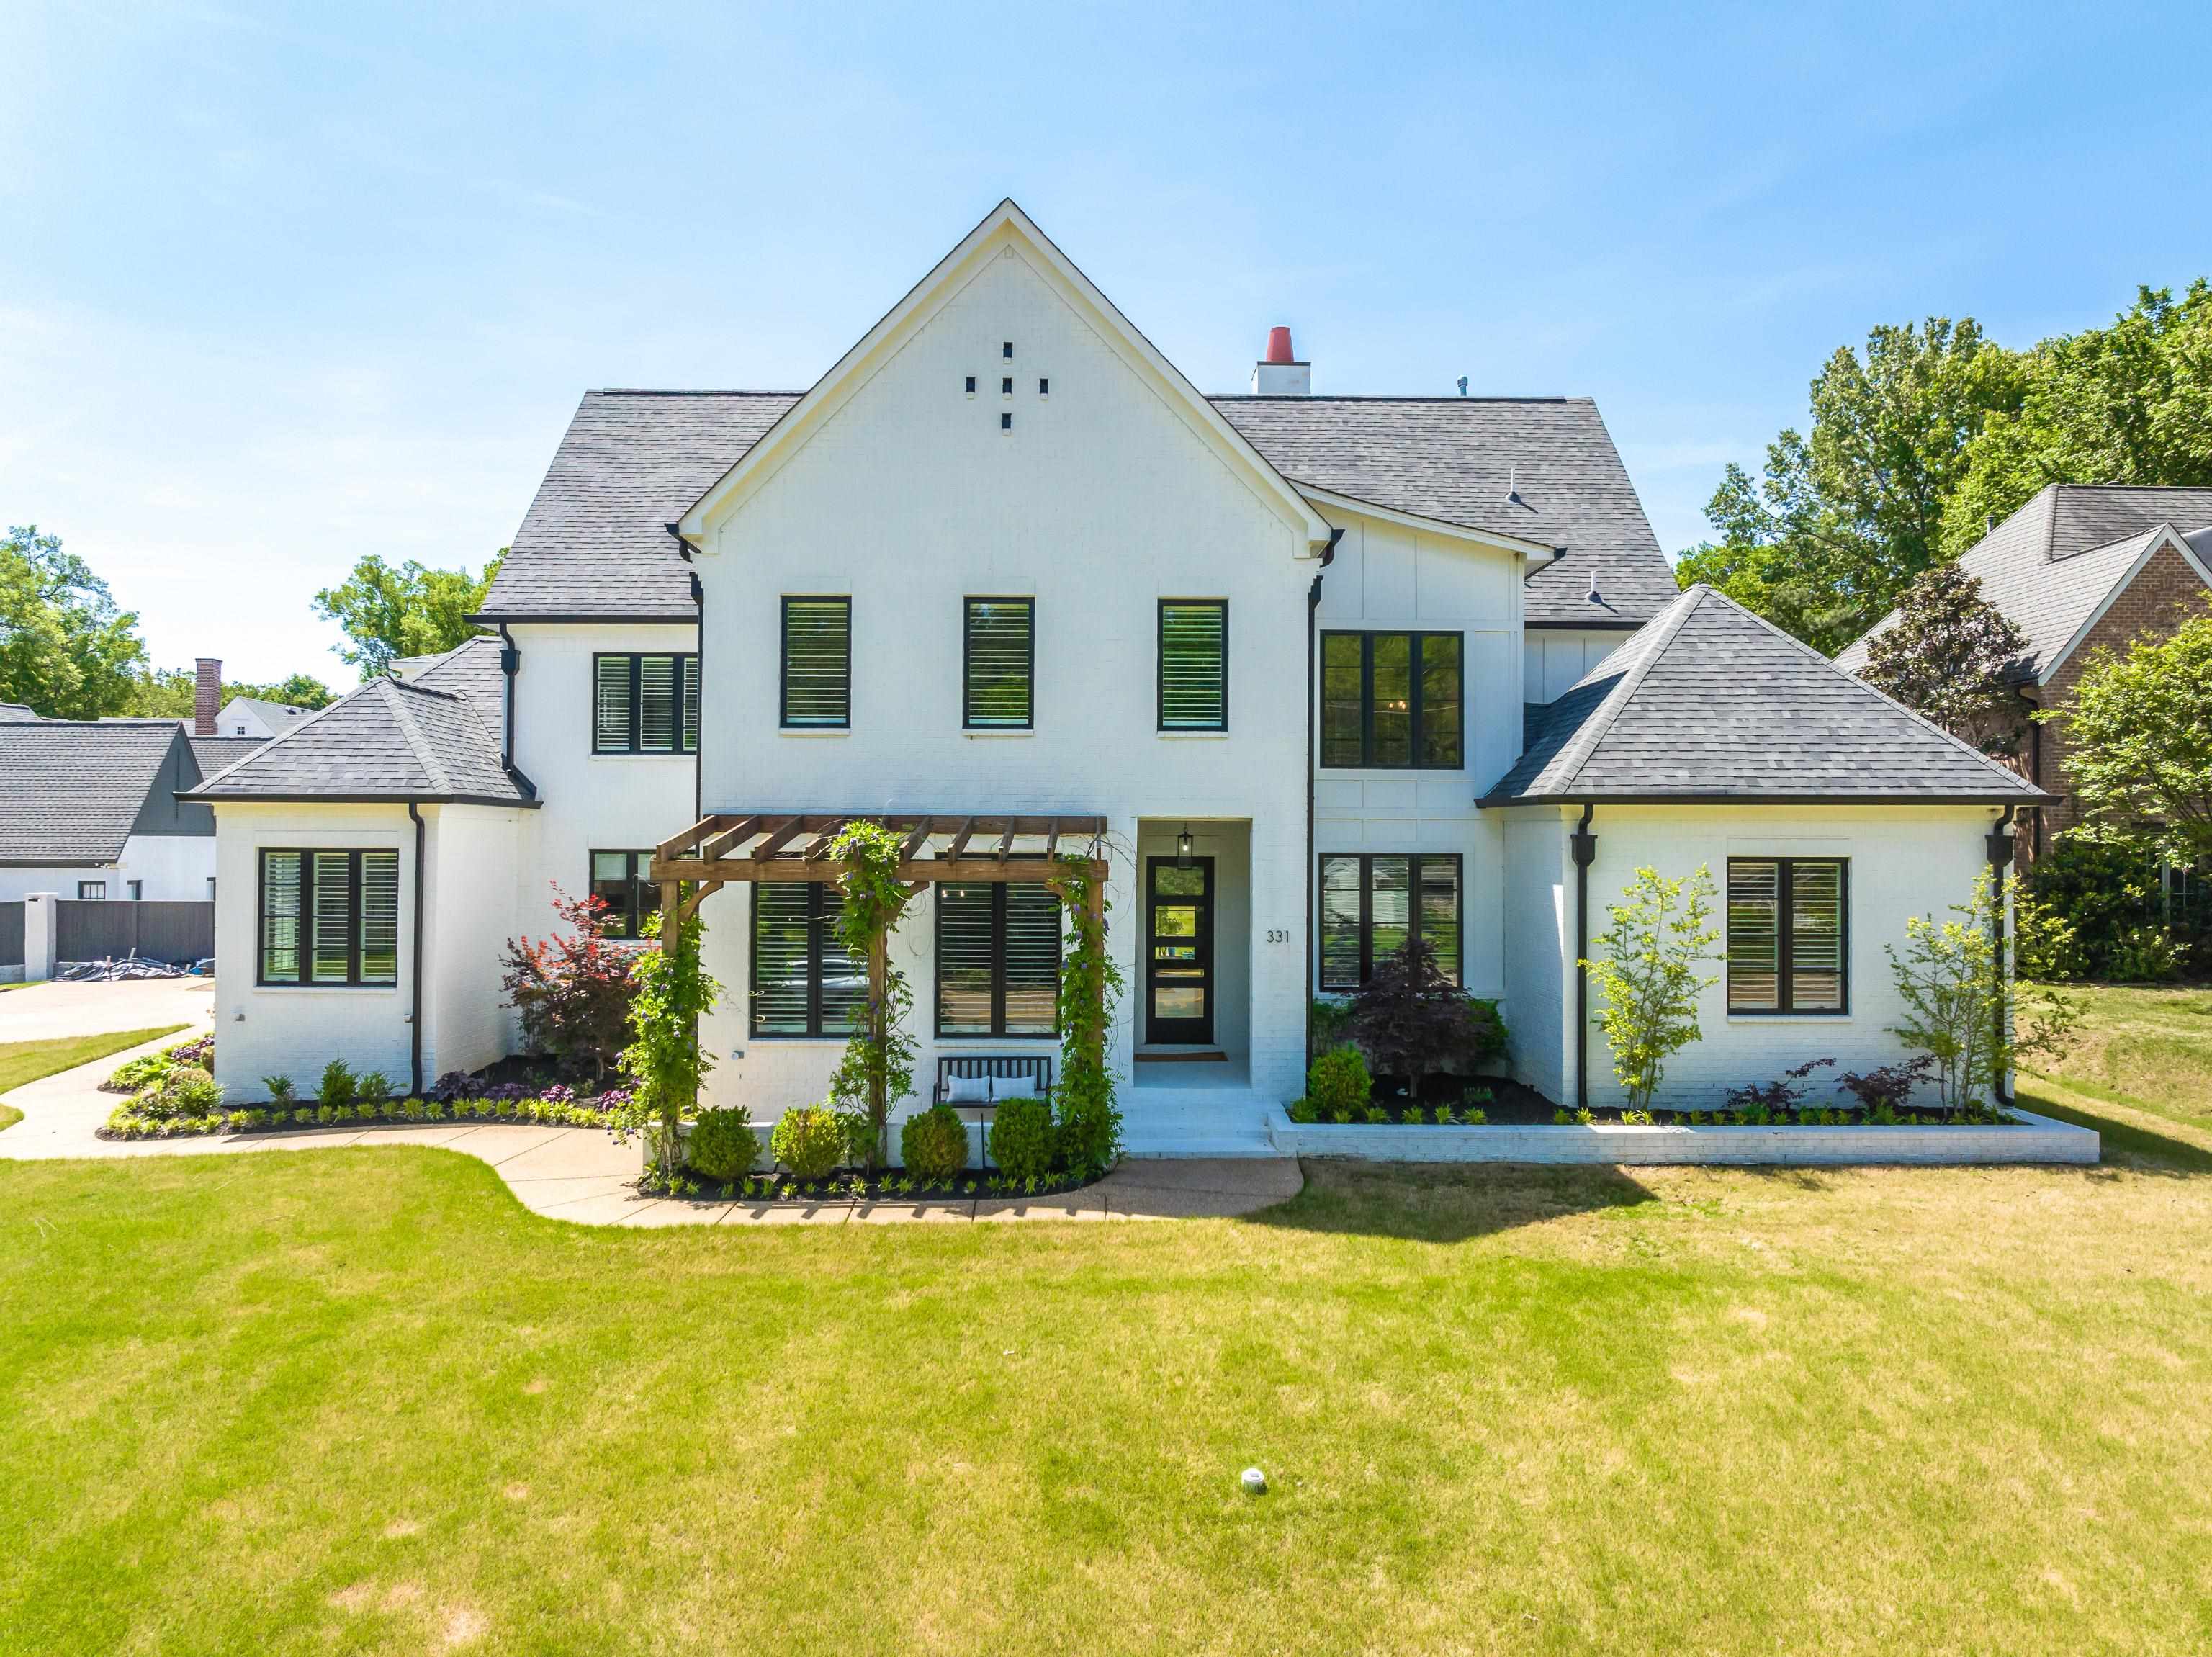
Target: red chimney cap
(1278, 346)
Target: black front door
(1179, 953)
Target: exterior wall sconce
(1183, 848)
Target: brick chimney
(207, 694)
(1280, 373)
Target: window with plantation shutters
(998, 654)
(1392, 701)
(997, 958)
(803, 982)
(328, 917)
(1786, 930)
(1193, 664)
(1372, 903)
(817, 663)
(645, 704)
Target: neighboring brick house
(2078, 568)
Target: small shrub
(2145, 954)
(339, 1084)
(133, 1073)
(933, 1144)
(1376, 1114)
(190, 1091)
(1477, 1117)
(723, 1145)
(808, 1140)
(1890, 1086)
(1340, 1115)
(1445, 1116)
(1584, 1115)
(455, 1085)
(280, 1089)
(1338, 1080)
(1562, 1117)
(1788, 1094)
(1480, 1096)
(1022, 1138)
(326, 1114)
(1304, 1110)
(372, 1087)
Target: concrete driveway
(39, 1012)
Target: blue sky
(286, 286)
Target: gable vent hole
(1007, 349)
(971, 385)
(1005, 422)
(1044, 388)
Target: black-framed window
(1193, 664)
(997, 958)
(998, 664)
(91, 889)
(329, 916)
(803, 982)
(817, 663)
(618, 881)
(1392, 701)
(135, 890)
(645, 704)
(1789, 931)
(1372, 902)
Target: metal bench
(1038, 1067)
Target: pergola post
(879, 1030)
(1094, 919)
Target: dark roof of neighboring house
(389, 740)
(2049, 567)
(72, 790)
(213, 754)
(1708, 702)
(595, 540)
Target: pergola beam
(690, 837)
(793, 870)
(731, 838)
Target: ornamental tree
(2138, 757)
(1411, 1019)
(572, 989)
(1647, 973)
(1946, 657)
(665, 1058)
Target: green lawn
(2149, 1049)
(360, 1401)
(27, 1061)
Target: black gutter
(415, 1017)
(1313, 760)
(510, 659)
(654, 617)
(530, 804)
(2001, 858)
(1500, 801)
(1583, 844)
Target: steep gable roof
(388, 740)
(2052, 566)
(1708, 702)
(70, 790)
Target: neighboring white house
(1327, 669)
(254, 716)
(88, 808)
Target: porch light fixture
(1183, 848)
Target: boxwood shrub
(1022, 1140)
(933, 1144)
(723, 1145)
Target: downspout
(1313, 761)
(1583, 844)
(2000, 856)
(510, 659)
(414, 1016)
(698, 666)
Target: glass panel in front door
(1179, 958)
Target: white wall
(1904, 861)
(1387, 577)
(1103, 499)
(1539, 946)
(1554, 659)
(468, 915)
(174, 867)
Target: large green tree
(2137, 756)
(2127, 404)
(1947, 658)
(167, 692)
(410, 610)
(1842, 520)
(66, 651)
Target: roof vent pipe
(1280, 373)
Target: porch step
(1219, 1121)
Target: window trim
(1415, 637)
(1366, 862)
(687, 688)
(819, 909)
(1160, 666)
(85, 897)
(968, 720)
(998, 1032)
(784, 721)
(1785, 940)
(640, 860)
(304, 980)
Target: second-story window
(998, 664)
(1193, 664)
(1391, 700)
(645, 704)
(817, 663)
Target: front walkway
(581, 1174)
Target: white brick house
(1002, 562)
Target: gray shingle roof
(387, 741)
(2049, 565)
(595, 540)
(214, 753)
(1708, 702)
(469, 670)
(1539, 468)
(71, 789)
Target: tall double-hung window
(998, 665)
(818, 664)
(1193, 664)
(330, 917)
(1371, 903)
(645, 704)
(997, 958)
(805, 984)
(1788, 932)
(1392, 701)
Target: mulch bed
(850, 1186)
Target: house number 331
(1278, 934)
